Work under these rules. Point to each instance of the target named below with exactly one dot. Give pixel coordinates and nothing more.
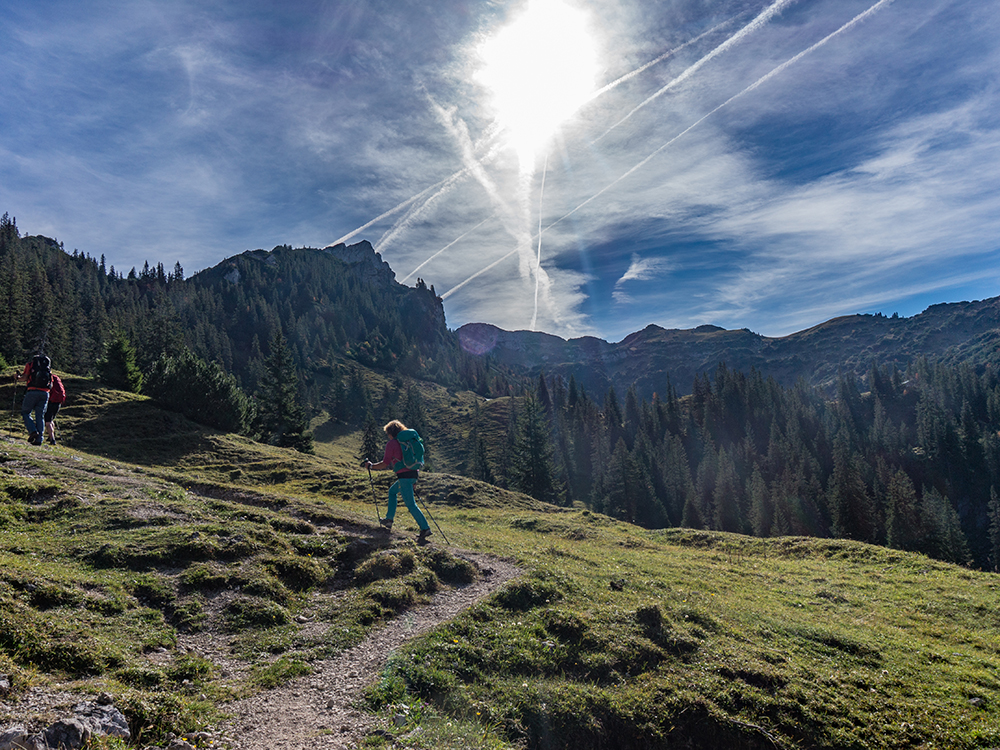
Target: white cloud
(643, 269)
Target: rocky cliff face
(365, 261)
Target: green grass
(615, 636)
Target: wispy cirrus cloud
(779, 163)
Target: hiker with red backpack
(57, 397)
(38, 376)
(404, 454)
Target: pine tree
(282, 418)
(993, 513)
(761, 507)
(943, 538)
(369, 440)
(480, 466)
(851, 508)
(118, 367)
(903, 521)
(531, 465)
(413, 410)
(726, 495)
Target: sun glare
(540, 69)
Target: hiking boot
(386, 524)
(424, 533)
(51, 441)
(34, 439)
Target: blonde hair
(394, 428)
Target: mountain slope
(111, 571)
(851, 344)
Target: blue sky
(767, 165)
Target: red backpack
(57, 393)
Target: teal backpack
(413, 450)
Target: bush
(117, 368)
(201, 391)
(253, 612)
(387, 564)
(447, 567)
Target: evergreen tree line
(913, 462)
(228, 327)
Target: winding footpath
(318, 712)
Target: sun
(540, 69)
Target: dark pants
(34, 401)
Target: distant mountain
(850, 344)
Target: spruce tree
(480, 466)
(531, 465)
(370, 440)
(118, 367)
(993, 513)
(903, 521)
(282, 418)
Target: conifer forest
(906, 457)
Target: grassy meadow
(141, 531)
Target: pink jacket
(393, 453)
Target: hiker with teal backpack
(404, 454)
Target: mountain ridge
(951, 331)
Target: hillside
(963, 331)
(177, 569)
(334, 308)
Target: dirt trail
(317, 712)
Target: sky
(578, 167)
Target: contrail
(416, 210)
(538, 257)
(762, 18)
(391, 211)
(468, 149)
(444, 185)
(479, 273)
(450, 244)
(492, 133)
(766, 77)
(642, 68)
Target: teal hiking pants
(406, 487)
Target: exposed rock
(103, 719)
(366, 262)
(15, 737)
(68, 734)
(4, 685)
(72, 732)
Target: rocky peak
(363, 258)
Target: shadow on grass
(126, 427)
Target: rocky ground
(319, 711)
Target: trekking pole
(378, 513)
(427, 511)
(13, 401)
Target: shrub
(201, 391)
(118, 368)
(447, 567)
(251, 612)
(387, 564)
